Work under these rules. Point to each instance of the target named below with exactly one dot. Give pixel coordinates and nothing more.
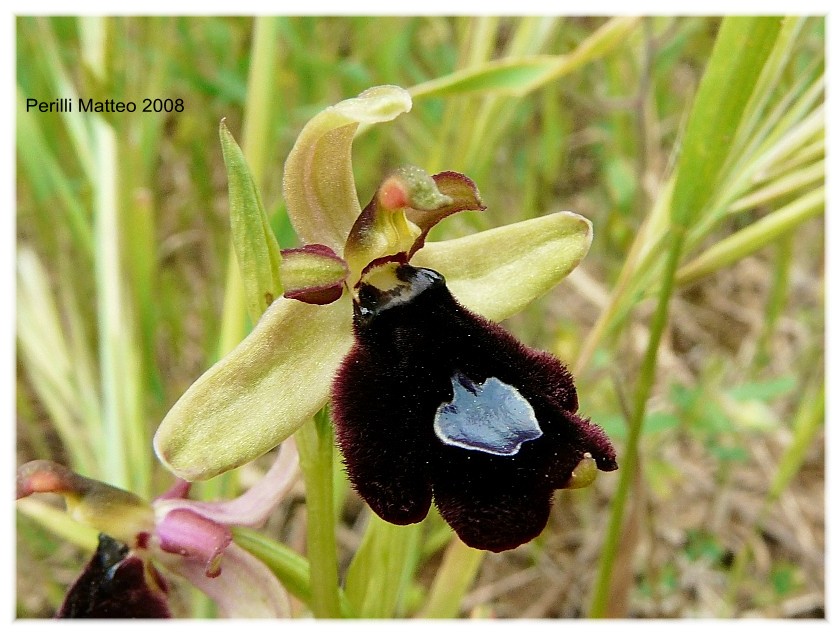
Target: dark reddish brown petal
(318, 295)
(495, 518)
(314, 274)
(381, 438)
(413, 343)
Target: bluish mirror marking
(492, 417)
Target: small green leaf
(318, 179)
(506, 75)
(785, 579)
(498, 272)
(808, 420)
(288, 566)
(727, 453)
(256, 248)
(258, 395)
(702, 545)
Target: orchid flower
(187, 538)
(398, 330)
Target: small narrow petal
(463, 196)
(260, 393)
(497, 273)
(177, 491)
(318, 182)
(186, 533)
(313, 274)
(246, 588)
(253, 507)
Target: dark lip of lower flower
(411, 346)
(116, 584)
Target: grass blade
(697, 170)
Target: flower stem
(647, 374)
(315, 445)
(454, 577)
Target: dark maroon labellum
(434, 401)
(114, 586)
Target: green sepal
(260, 393)
(318, 182)
(256, 247)
(497, 273)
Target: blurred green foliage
(123, 234)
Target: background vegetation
(694, 326)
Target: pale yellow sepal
(498, 272)
(318, 183)
(258, 395)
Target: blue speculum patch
(492, 417)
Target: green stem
(647, 374)
(315, 445)
(455, 576)
(291, 568)
(777, 298)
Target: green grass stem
(714, 119)
(316, 448)
(455, 576)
